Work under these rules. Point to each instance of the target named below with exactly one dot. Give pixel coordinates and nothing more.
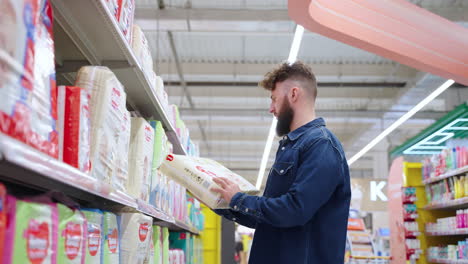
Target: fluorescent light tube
(295, 46)
(401, 120)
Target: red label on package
(94, 241)
(143, 232)
(170, 158)
(37, 237)
(113, 241)
(73, 236)
(210, 173)
(148, 134)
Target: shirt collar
(293, 135)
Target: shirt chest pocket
(282, 176)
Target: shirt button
(234, 219)
(281, 171)
(246, 210)
(283, 148)
(235, 207)
(285, 137)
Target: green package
(165, 245)
(181, 240)
(158, 254)
(71, 243)
(110, 246)
(159, 153)
(31, 232)
(94, 236)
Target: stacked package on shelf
(159, 152)
(72, 230)
(28, 111)
(142, 51)
(140, 158)
(108, 117)
(158, 248)
(196, 174)
(110, 246)
(182, 241)
(74, 127)
(161, 94)
(31, 226)
(94, 233)
(125, 17)
(113, 6)
(135, 233)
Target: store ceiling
(223, 48)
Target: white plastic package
(140, 159)
(74, 127)
(107, 110)
(196, 174)
(125, 16)
(136, 231)
(142, 51)
(28, 111)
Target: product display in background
(140, 159)
(111, 239)
(28, 111)
(447, 189)
(107, 109)
(135, 233)
(196, 174)
(125, 17)
(449, 252)
(94, 236)
(72, 233)
(74, 127)
(448, 160)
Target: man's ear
(295, 92)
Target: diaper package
(93, 250)
(72, 236)
(28, 111)
(135, 233)
(107, 109)
(181, 240)
(74, 127)
(3, 218)
(165, 245)
(140, 159)
(196, 174)
(120, 175)
(110, 247)
(159, 152)
(32, 232)
(150, 253)
(113, 7)
(125, 16)
(157, 240)
(142, 51)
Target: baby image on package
(196, 174)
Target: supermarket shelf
(454, 204)
(179, 226)
(99, 39)
(25, 166)
(465, 261)
(460, 231)
(447, 175)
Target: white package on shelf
(125, 16)
(113, 7)
(107, 110)
(74, 127)
(28, 111)
(135, 237)
(196, 174)
(121, 172)
(142, 51)
(140, 158)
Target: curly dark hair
(298, 71)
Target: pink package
(74, 127)
(125, 16)
(28, 111)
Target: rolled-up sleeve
(316, 179)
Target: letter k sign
(376, 191)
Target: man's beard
(285, 119)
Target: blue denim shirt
(303, 214)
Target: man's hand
(228, 188)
